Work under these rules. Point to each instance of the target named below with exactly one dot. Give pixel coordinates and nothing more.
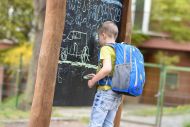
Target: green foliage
(187, 124)
(56, 113)
(185, 109)
(9, 113)
(12, 56)
(85, 120)
(8, 110)
(163, 58)
(8, 103)
(16, 19)
(138, 38)
(179, 110)
(171, 16)
(145, 112)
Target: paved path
(167, 121)
(53, 124)
(78, 117)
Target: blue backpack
(129, 74)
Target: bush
(187, 124)
(12, 56)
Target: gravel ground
(78, 117)
(68, 124)
(53, 124)
(175, 121)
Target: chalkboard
(78, 53)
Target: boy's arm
(104, 71)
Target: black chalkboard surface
(78, 53)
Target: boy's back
(106, 52)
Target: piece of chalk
(87, 77)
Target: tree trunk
(39, 12)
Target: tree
(11, 57)
(16, 19)
(172, 17)
(39, 12)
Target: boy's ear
(104, 35)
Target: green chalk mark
(79, 64)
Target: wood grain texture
(47, 64)
(124, 36)
(126, 25)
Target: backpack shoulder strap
(108, 44)
(111, 45)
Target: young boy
(106, 101)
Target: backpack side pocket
(121, 77)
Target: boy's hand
(91, 82)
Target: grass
(1, 125)
(179, 110)
(14, 114)
(9, 111)
(187, 124)
(55, 113)
(85, 120)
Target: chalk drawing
(116, 2)
(64, 53)
(91, 14)
(87, 15)
(72, 4)
(76, 46)
(84, 6)
(69, 20)
(59, 78)
(85, 55)
(79, 64)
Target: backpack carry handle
(125, 51)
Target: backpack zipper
(136, 79)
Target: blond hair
(109, 28)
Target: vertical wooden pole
(1, 81)
(124, 36)
(126, 25)
(47, 64)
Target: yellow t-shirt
(107, 52)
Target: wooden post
(47, 64)
(126, 25)
(124, 36)
(1, 81)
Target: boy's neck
(109, 40)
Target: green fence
(166, 87)
(13, 81)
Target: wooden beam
(124, 36)
(126, 25)
(118, 114)
(47, 64)
(1, 82)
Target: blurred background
(160, 31)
